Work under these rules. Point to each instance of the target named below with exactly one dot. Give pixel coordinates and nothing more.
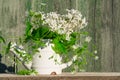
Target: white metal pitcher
(46, 61)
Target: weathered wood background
(103, 21)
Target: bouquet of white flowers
(65, 32)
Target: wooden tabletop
(64, 76)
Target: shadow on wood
(4, 68)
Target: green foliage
(38, 33)
(2, 39)
(58, 46)
(28, 29)
(5, 47)
(25, 56)
(8, 48)
(27, 72)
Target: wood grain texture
(116, 35)
(103, 24)
(12, 19)
(78, 76)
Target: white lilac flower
(88, 39)
(65, 24)
(95, 51)
(75, 57)
(83, 23)
(75, 46)
(69, 16)
(96, 57)
(68, 36)
(13, 45)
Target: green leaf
(26, 72)
(41, 32)
(8, 48)
(28, 28)
(84, 33)
(58, 46)
(2, 39)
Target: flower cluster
(65, 31)
(63, 24)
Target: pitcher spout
(65, 65)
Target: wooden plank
(90, 9)
(103, 21)
(64, 76)
(12, 14)
(116, 34)
(97, 34)
(53, 5)
(106, 36)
